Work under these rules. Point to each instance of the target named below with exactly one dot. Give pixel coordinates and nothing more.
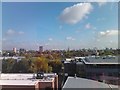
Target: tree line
(31, 65)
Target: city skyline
(59, 25)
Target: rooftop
(101, 60)
(73, 82)
(18, 82)
(19, 57)
(24, 79)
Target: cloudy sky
(60, 25)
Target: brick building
(28, 82)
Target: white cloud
(20, 32)
(10, 32)
(75, 13)
(109, 33)
(50, 39)
(108, 38)
(101, 2)
(88, 26)
(13, 32)
(70, 38)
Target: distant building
(40, 49)
(22, 51)
(14, 50)
(19, 57)
(28, 82)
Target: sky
(59, 25)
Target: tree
(40, 64)
(49, 69)
(21, 66)
(56, 65)
(7, 65)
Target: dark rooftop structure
(99, 68)
(101, 60)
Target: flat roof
(79, 57)
(11, 57)
(12, 76)
(18, 82)
(101, 60)
(72, 82)
(21, 75)
(114, 86)
(69, 59)
(24, 79)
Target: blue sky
(59, 25)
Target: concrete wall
(45, 85)
(56, 82)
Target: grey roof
(101, 60)
(79, 63)
(114, 86)
(72, 82)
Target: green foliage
(56, 65)
(31, 64)
(7, 65)
(21, 66)
(40, 64)
(49, 69)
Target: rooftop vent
(40, 75)
(75, 76)
(34, 76)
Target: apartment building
(95, 67)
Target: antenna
(75, 76)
